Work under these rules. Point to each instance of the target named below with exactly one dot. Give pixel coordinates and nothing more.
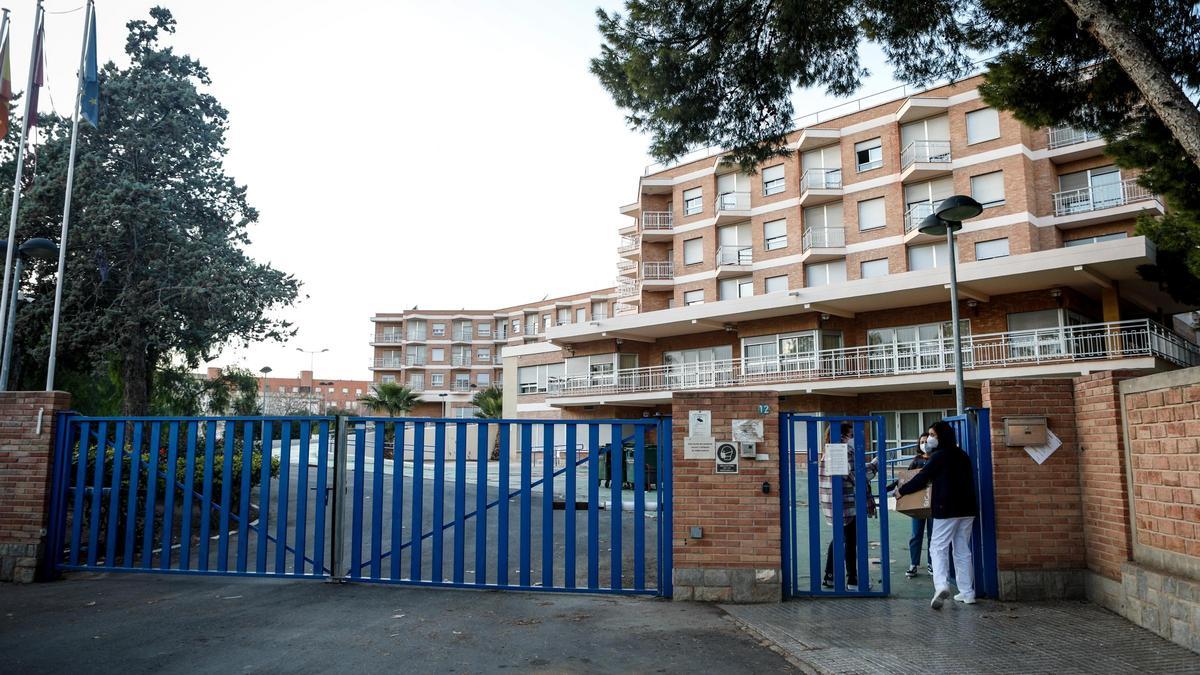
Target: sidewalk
(906, 636)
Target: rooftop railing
(1067, 344)
(1097, 197)
(927, 152)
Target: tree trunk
(1147, 73)
(136, 376)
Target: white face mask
(931, 444)
(923, 447)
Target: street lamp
(445, 404)
(312, 356)
(323, 383)
(33, 249)
(947, 219)
(265, 370)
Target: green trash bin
(605, 476)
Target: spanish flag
(5, 88)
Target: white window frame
(693, 251)
(882, 206)
(867, 146)
(438, 330)
(693, 201)
(437, 354)
(982, 199)
(742, 287)
(437, 380)
(825, 269)
(772, 242)
(938, 261)
(1096, 239)
(773, 184)
(770, 281)
(875, 264)
(993, 255)
(984, 125)
(693, 297)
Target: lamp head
(937, 226)
(958, 208)
(39, 248)
(264, 370)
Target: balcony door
(1090, 190)
(734, 245)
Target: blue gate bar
(616, 460)
(131, 499)
(437, 571)
(155, 458)
(861, 519)
(481, 493)
(526, 516)
(210, 440)
(881, 477)
(815, 572)
(169, 473)
(321, 500)
(97, 493)
(418, 510)
(244, 496)
(359, 464)
(460, 500)
(504, 430)
(639, 508)
(189, 479)
(284, 496)
(398, 429)
(79, 493)
(264, 496)
(114, 498)
(666, 496)
(377, 500)
(593, 522)
(570, 498)
(547, 505)
(303, 454)
(227, 488)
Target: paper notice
(837, 459)
(1040, 453)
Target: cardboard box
(917, 504)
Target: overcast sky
(440, 154)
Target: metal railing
(733, 201)
(627, 289)
(626, 265)
(657, 220)
(1097, 197)
(658, 270)
(416, 336)
(915, 214)
(387, 362)
(394, 337)
(1064, 136)
(929, 152)
(460, 360)
(623, 308)
(735, 255)
(1116, 339)
(463, 336)
(461, 386)
(821, 179)
(824, 237)
(414, 359)
(629, 244)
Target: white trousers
(956, 531)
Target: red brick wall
(1039, 521)
(1102, 472)
(25, 458)
(741, 524)
(1164, 444)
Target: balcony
(623, 308)
(732, 207)
(824, 243)
(627, 289)
(463, 336)
(658, 271)
(387, 363)
(460, 360)
(414, 359)
(387, 338)
(626, 267)
(820, 185)
(922, 160)
(461, 387)
(1103, 203)
(657, 225)
(734, 259)
(912, 221)
(1015, 349)
(629, 246)
(416, 336)
(1068, 144)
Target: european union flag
(89, 104)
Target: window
(741, 287)
(598, 369)
(345, 390)
(775, 234)
(823, 274)
(871, 214)
(914, 348)
(531, 324)
(1093, 240)
(904, 427)
(693, 297)
(536, 379)
(416, 382)
(822, 168)
(580, 314)
(788, 351)
(439, 329)
(988, 188)
(693, 251)
(564, 316)
(772, 178)
(358, 392)
(868, 154)
(416, 330)
(995, 248)
(920, 198)
(734, 245)
(705, 366)
(437, 380)
(485, 329)
(483, 379)
(982, 125)
(462, 381)
(516, 326)
(599, 311)
(437, 354)
(823, 217)
(927, 257)
(693, 201)
(388, 379)
(777, 284)
(871, 269)
(1089, 190)
(547, 321)
(483, 354)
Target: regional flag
(5, 87)
(89, 103)
(38, 77)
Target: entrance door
(833, 518)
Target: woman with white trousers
(954, 507)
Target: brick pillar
(738, 556)
(26, 452)
(1039, 517)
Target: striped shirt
(826, 491)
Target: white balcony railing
(926, 152)
(1092, 342)
(626, 265)
(463, 336)
(1097, 197)
(416, 336)
(623, 308)
(388, 337)
(821, 179)
(735, 255)
(387, 362)
(461, 386)
(629, 244)
(824, 237)
(652, 271)
(414, 359)
(627, 289)
(915, 214)
(733, 201)
(459, 360)
(1063, 136)
(657, 220)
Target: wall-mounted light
(729, 328)
(824, 317)
(1057, 294)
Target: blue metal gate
(807, 442)
(565, 506)
(974, 436)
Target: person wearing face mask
(954, 507)
(921, 527)
(849, 517)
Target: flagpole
(11, 254)
(89, 17)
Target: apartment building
(446, 356)
(307, 393)
(810, 276)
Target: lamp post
(33, 249)
(947, 219)
(312, 356)
(445, 404)
(324, 383)
(265, 370)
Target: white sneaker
(939, 598)
(965, 599)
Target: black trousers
(850, 537)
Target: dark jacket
(918, 462)
(949, 472)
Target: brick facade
(1102, 472)
(26, 453)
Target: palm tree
(490, 402)
(391, 398)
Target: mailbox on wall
(1023, 431)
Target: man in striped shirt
(849, 517)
